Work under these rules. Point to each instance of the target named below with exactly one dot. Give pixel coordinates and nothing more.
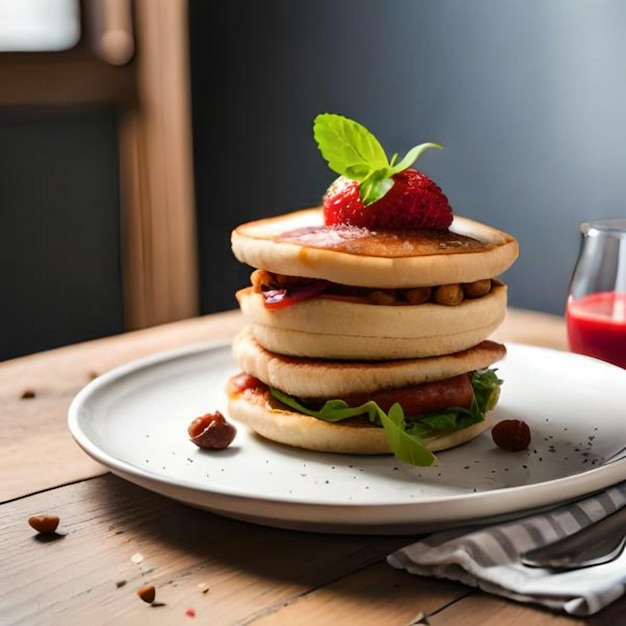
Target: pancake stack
(363, 340)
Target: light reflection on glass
(39, 25)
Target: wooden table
(228, 572)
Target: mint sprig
(351, 150)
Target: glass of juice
(596, 301)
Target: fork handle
(594, 544)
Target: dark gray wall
(528, 96)
(60, 278)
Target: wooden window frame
(149, 84)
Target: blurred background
(134, 135)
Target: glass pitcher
(596, 300)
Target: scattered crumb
(190, 612)
(119, 583)
(137, 558)
(147, 593)
(27, 394)
(44, 524)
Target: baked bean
(477, 289)
(418, 295)
(382, 297)
(448, 295)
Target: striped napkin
(488, 557)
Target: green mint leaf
(411, 156)
(374, 187)
(350, 149)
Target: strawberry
(414, 201)
(371, 191)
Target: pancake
(298, 244)
(308, 377)
(327, 327)
(267, 418)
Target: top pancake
(298, 244)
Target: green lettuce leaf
(406, 437)
(405, 446)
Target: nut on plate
(511, 434)
(211, 431)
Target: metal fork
(600, 542)
(616, 456)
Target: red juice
(596, 326)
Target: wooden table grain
(206, 569)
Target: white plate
(134, 421)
